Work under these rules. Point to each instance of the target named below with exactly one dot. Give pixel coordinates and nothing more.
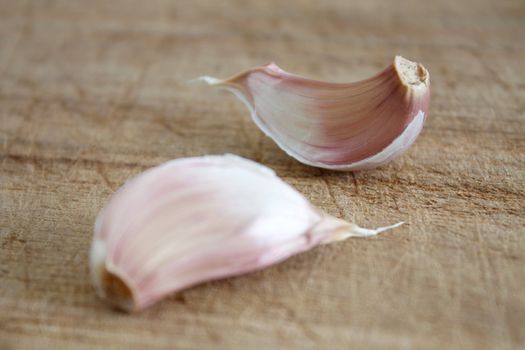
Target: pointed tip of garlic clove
(337, 126)
(335, 230)
(208, 80)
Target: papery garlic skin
(197, 219)
(336, 126)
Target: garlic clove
(197, 219)
(336, 126)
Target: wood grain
(94, 92)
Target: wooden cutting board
(94, 92)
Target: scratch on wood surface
(75, 107)
(395, 201)
(308, 331)
(332, 196)
(400, 262)
(79, 90)
(18, 133)
(163, 121)
(88, 163)
(461, 188)
(126, 101)
(356, 186)
(100, 170)
(26, 265)
(12, 238)
(488, 269)
(493, 72)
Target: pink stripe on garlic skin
(193, 220)
(336, 126)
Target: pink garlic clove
(197, 219)
(336, 126)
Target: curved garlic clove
(336, 126)
(197, 219)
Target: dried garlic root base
(197, 219)
(336, 126)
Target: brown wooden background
(93, 92)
